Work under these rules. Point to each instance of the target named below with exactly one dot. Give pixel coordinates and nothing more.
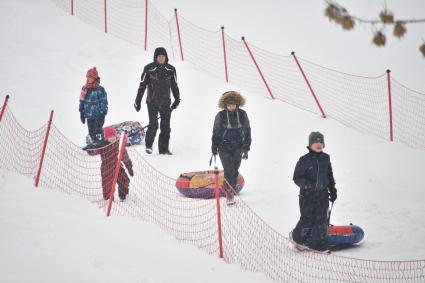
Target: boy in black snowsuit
(231, 138)
(313, 175)
(159, 78)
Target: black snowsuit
(159, 80)
(231, 136)
(313, 175)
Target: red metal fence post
(390, 107)
(43, 152)
(72, 7)
(117, 170)
(178, 32)
(224, 52)
(106, 17)
(4, 106)
(258, 68)
(146, 24)
(309, 85)
(217, 197)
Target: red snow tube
(344, 235)
(201, 184)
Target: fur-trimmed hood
(231, 96)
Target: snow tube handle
(212, 159)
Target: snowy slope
(53, 237)
(44, 54)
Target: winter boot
(230, 194)
(230, 201)
(89, 146)
(100, 141)
(148, 150)
(167, 152)
(298, 246)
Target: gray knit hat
(314, 137)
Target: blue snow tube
(345, 235)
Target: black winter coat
(159, 80)
(231, 130)
(313, 173)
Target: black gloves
(214, 150)
(175, 104)
(332, 194)
(137, 105)
(308, 187)
(138, 100)
(245, 154)
(82, 118)
(130, 170)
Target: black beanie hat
(160, 51)
(314, 137)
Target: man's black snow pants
(164, 137)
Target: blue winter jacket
(95, 103)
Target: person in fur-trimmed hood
(231, 138)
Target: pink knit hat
(92, 73)
(109, 132)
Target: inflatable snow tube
(345, 235)
(134, 131)
(201, 184)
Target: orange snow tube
(201, 184)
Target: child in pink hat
(93, 108)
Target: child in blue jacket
(94, 107)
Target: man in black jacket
(313, 175)
(231, 139)
(159, 78)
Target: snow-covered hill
(44, 54)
